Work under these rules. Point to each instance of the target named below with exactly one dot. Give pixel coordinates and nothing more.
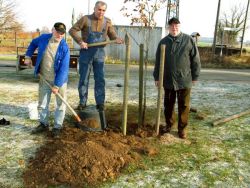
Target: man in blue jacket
(181, 70)
(53, 64)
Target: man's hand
(157, 83)
(28, 62)
(84, 45)
(194, 82)
(119, 40)
(55, 90)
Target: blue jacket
(62, 58)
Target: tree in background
(142, 13)
(234, 20)
(8, 17)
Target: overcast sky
(195, 15)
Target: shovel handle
(101, 43)
(63, 100)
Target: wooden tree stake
(224, 120)
(159, 101)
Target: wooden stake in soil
(141, 85)
(126, 78)
(224, 120)
(159, 101)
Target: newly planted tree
(142, 13)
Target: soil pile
(81, 158)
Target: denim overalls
(93, 56)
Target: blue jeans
(93, 57)
(43, 104)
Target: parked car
(74, 57)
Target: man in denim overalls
(94, 28)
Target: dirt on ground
(79, 159)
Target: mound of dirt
(81, 158)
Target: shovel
(79, 123)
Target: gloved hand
(28, 61)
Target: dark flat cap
(174, 20)
(60, 27)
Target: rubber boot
(102, 119)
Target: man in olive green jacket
(181, 71)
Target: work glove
(28, 61)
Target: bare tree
(234, 20)
(8, 17)
(142, 12)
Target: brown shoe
(167, 129)
(182, 135)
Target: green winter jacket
(182, 62)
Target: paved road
(239, 75)
(227, 75)
(7, 63)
